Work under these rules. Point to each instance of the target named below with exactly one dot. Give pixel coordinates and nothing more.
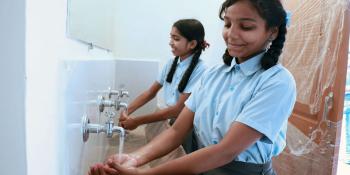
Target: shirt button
(237, 68)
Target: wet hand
(123, 170)
(102, 169)
(122, 159)
(128, 122)
(123, 116)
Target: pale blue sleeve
(195, 78)
(194, 100)
(270, 107)
(190, 103)
(163, 74)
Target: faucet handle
(112, 92)
(102, 103)
(124, 93)
(122, 105)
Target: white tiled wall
(82, 82)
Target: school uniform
(245, 93)
(172, 94)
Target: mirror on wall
(140, 29)
(91, 21)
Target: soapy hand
(127, 122)
(122, 170)
(109, 166)
(125, 160)
(102, 169)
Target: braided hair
(274, 14)
(191, 29)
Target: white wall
(12, 88)
(47, 44)
(142, 27)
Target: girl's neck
(241, 60)
(185, 56)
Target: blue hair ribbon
(288, 18)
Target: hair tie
(288, 18)
(205, 45)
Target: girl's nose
(232, 32)
(171, 43)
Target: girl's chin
(235, 53)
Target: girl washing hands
(240, 110)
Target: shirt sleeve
(195, 78)
(163, 74)
(192, 101)
(269, 108)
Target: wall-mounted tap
(119, 93)
(121, 105)
(117, 104)
(102, 103)
(108, 128)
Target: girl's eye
(227, 25)
(247, 28)
(174, 38)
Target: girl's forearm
(140, 101)
(194, 163)
(160, 115)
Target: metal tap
(108, 128)
(121, 105)
(102, 103)
(119, 93)
(117, 104)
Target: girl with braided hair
(240, 109)
(178, 79)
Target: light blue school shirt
(245, 93)
(171, 93)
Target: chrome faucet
(108, 128)
(102, 103)
(119, 93)
(117, 104)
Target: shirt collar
(185, 62)
(248, 67)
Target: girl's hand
(123, 116)
(125, 160)
(102, 169)
(127, 122)
(123, 170)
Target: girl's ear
(192, 44)
(274, 33)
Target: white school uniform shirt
(245, 93)
(171, 93)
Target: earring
(269, 43)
